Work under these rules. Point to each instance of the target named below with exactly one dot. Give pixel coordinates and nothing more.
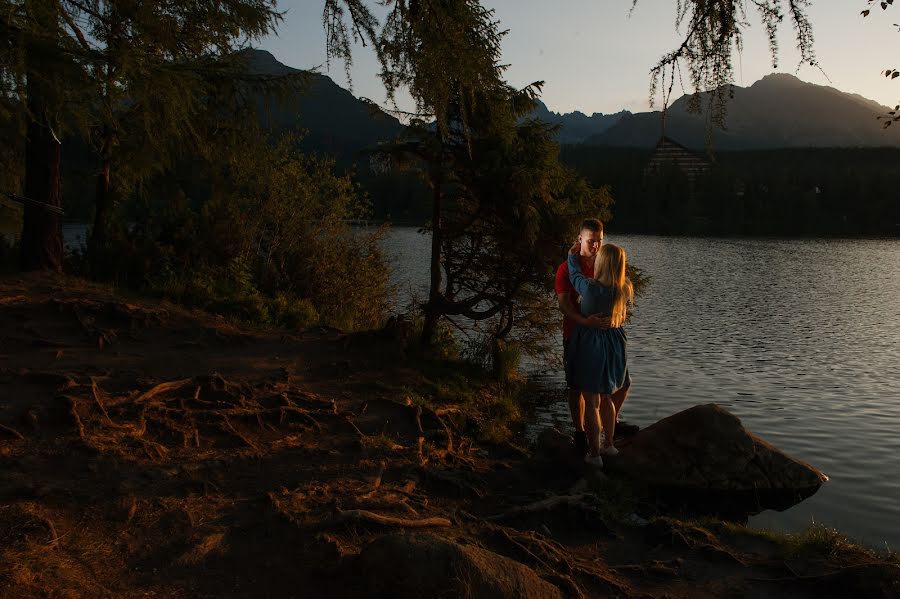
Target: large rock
(704, 459)
(412, 566)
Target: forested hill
(778, 111)
(332, 119)
(787, 192)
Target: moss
(381, 445)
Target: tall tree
(500, 200)
(149, 66)
(446, 53)
(34, 69)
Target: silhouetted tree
(894, 115)
(138, 76)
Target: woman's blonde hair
(609, 271)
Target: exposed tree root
(11, 431)
(163, 388)
(96, 393)
(229, 428)
(72, 405)
(284, 411)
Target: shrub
(270, 242)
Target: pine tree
(134, 78)
(149, 66)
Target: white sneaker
(593, 460)
(608, 451)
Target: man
(590, 238)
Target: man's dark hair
(592, 224)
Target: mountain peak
(783, 78)
(263, 62)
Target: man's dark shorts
(566, 368)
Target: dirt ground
(151, 451)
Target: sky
(594, 57)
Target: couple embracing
(594, 294)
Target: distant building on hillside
(671, 153)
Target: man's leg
(576, 405)
(607, 419)
(592, 419)
(576, 409)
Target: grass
(816, 541)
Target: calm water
(798, 338)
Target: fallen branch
(367, 517)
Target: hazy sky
(594, 58)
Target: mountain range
(778, 111)
(577, 127)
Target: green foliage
(816, 541)
(269, 241)
(445, 345)
(501, 357)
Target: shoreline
(191, 456)
(715, 236)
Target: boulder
(704, 459)
(554, 444)
(411, 566)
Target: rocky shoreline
(148, 450)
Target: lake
(798, 338)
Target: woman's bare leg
(619, 396)
(608, 418)
(592, 421)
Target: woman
(599, 366)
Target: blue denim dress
(597, 359)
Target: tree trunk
(434, 292)
(42, 247)
(103, 203)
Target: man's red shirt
(564, 285)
